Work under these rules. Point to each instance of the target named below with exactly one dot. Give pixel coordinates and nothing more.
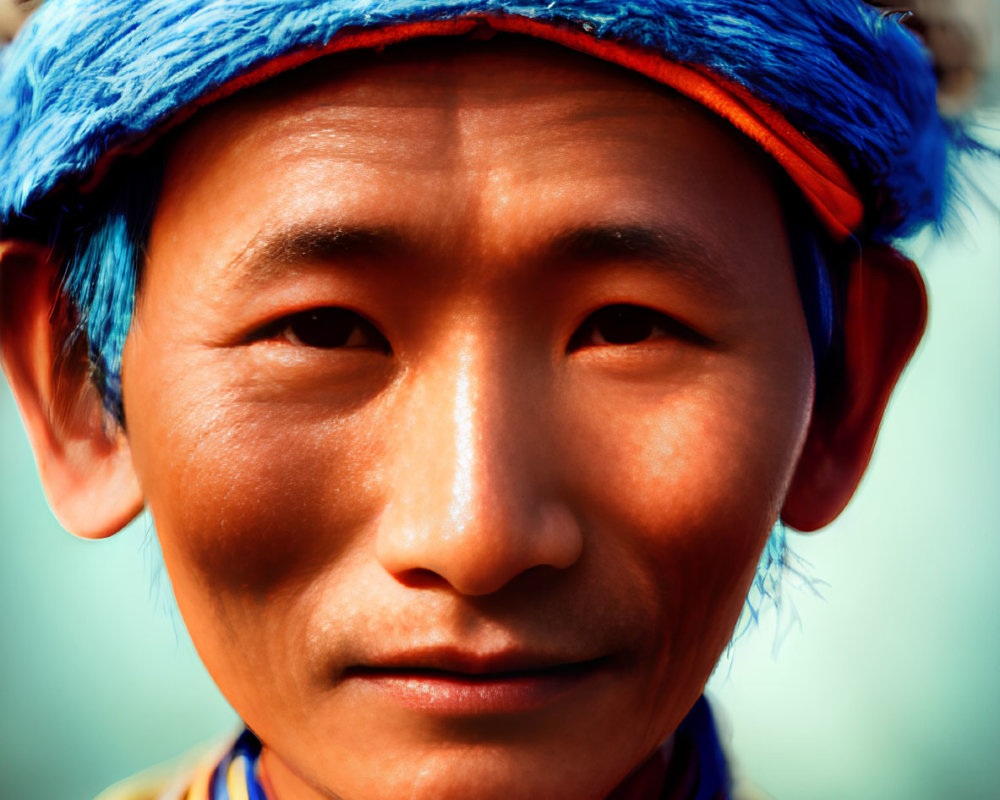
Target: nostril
(420, 578)
(490, 549)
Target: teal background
(886, 687)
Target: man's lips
(463, 684)
(468, 662)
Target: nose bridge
(467, 435)
(488, 450)
(470, 501)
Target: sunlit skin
(471, 480)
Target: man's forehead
(508, 110)
(443, 86)
(447, 147)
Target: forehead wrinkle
(571, 106)
(453, 94)
(363, 135)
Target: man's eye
(329, 328)
(628, 324)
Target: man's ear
(884, 317)
(83, 458)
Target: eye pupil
(624, 324)
(331, 328)
(324, 327)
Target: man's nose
(474, 495)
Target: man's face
(464, 389)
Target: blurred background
(885, 687)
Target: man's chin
(575, 733)
(452, 772)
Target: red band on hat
(826, 186)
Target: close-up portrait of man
(468, 365)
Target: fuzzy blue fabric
(83, 77)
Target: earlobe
(83, 459)
(884, 318)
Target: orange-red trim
(826, 186)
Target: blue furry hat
(86, 77)
(85, 80)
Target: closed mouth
(478, 687)
(473, 675)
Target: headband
(841, 96)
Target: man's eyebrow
(671, 249)
(272, 253)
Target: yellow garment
(173, 779)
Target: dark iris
(619, 324)
(624, 324)
(332, 328)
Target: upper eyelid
(272, 329)
(668, 321)
(280, 318)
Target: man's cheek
(256, 505)
(679, 462)
(684, 486)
